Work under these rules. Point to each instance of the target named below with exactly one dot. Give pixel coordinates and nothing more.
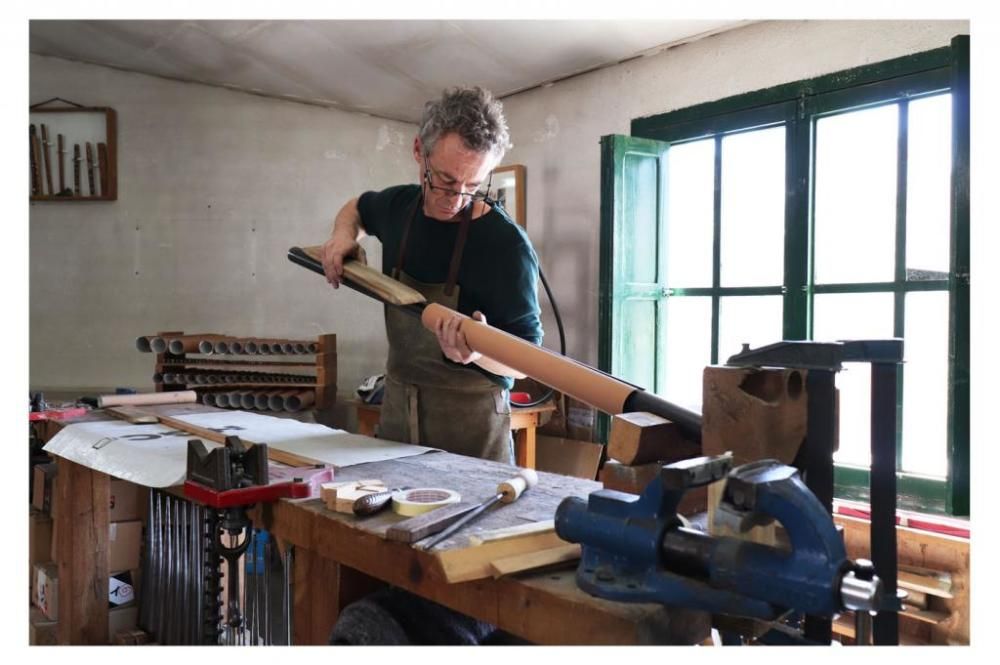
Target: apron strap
(456, 254)
(406, 234)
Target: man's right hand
(335, 250)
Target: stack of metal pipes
(181, 601)
(224, 345)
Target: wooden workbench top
(542, 606)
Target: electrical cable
(562, 342)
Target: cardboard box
(126, 501)
(569, 457)
(121, 588)
(41, 495)
(124, 542)
(42, 631)
(39, 542)
(122, 619)
(46, 594)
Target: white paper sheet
(156, 455)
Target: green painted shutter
(633, 177)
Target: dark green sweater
(499, 270)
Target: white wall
(214, 187)
(556, 130)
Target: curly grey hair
(473, 113)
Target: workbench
(524, 420)
(339, 558)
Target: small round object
(422, 499)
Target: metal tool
(823, 360)
(46, 144)
(507, 492)
(90, 169)
(638, 550)
(228, 481)
(76, 169)
(373, 503)
(36, 183)
(61, 147)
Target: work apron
(431, 401)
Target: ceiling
(386, 68)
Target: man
(447, 239)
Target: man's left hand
(452, 340)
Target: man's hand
(335, 251)
(343, 242)
(452, 340)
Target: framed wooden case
(73, 152)
(509, 185)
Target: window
(834, 208)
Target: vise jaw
(636, 548)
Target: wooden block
(415, 528)
(640, 438)
(755, 413)
(340, 497)
(634, 479)
(532, 560)
(328, 492)
(930, 582)
(526, 529)
(346, 495)
(463, 564)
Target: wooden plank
(314, 613)
(80, 503)
(211, 435)
(517, 531)
(548, 608)
(473, 563)
(374, 280)
(931, 582)
(416, 528)
(925, 550)
(133, 415)
(532, 560)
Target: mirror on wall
(509, 185)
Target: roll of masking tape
(421, 500)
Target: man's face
(454, 169)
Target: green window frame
(632, 300)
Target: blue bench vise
(638, 549)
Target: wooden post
(326, 372)
(315, 612)
(81, 501)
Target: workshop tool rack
(219, 373)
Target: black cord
(562, 341)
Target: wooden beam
(81, 502)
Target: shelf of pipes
(258, 380)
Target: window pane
(636, 334)
(640, 264)
(690, 187)
(753, 208)
(925, 384)
(853, 316)
(686, 341)
(928, 193)
(855, 205)
(753, 320)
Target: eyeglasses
(481, 193)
